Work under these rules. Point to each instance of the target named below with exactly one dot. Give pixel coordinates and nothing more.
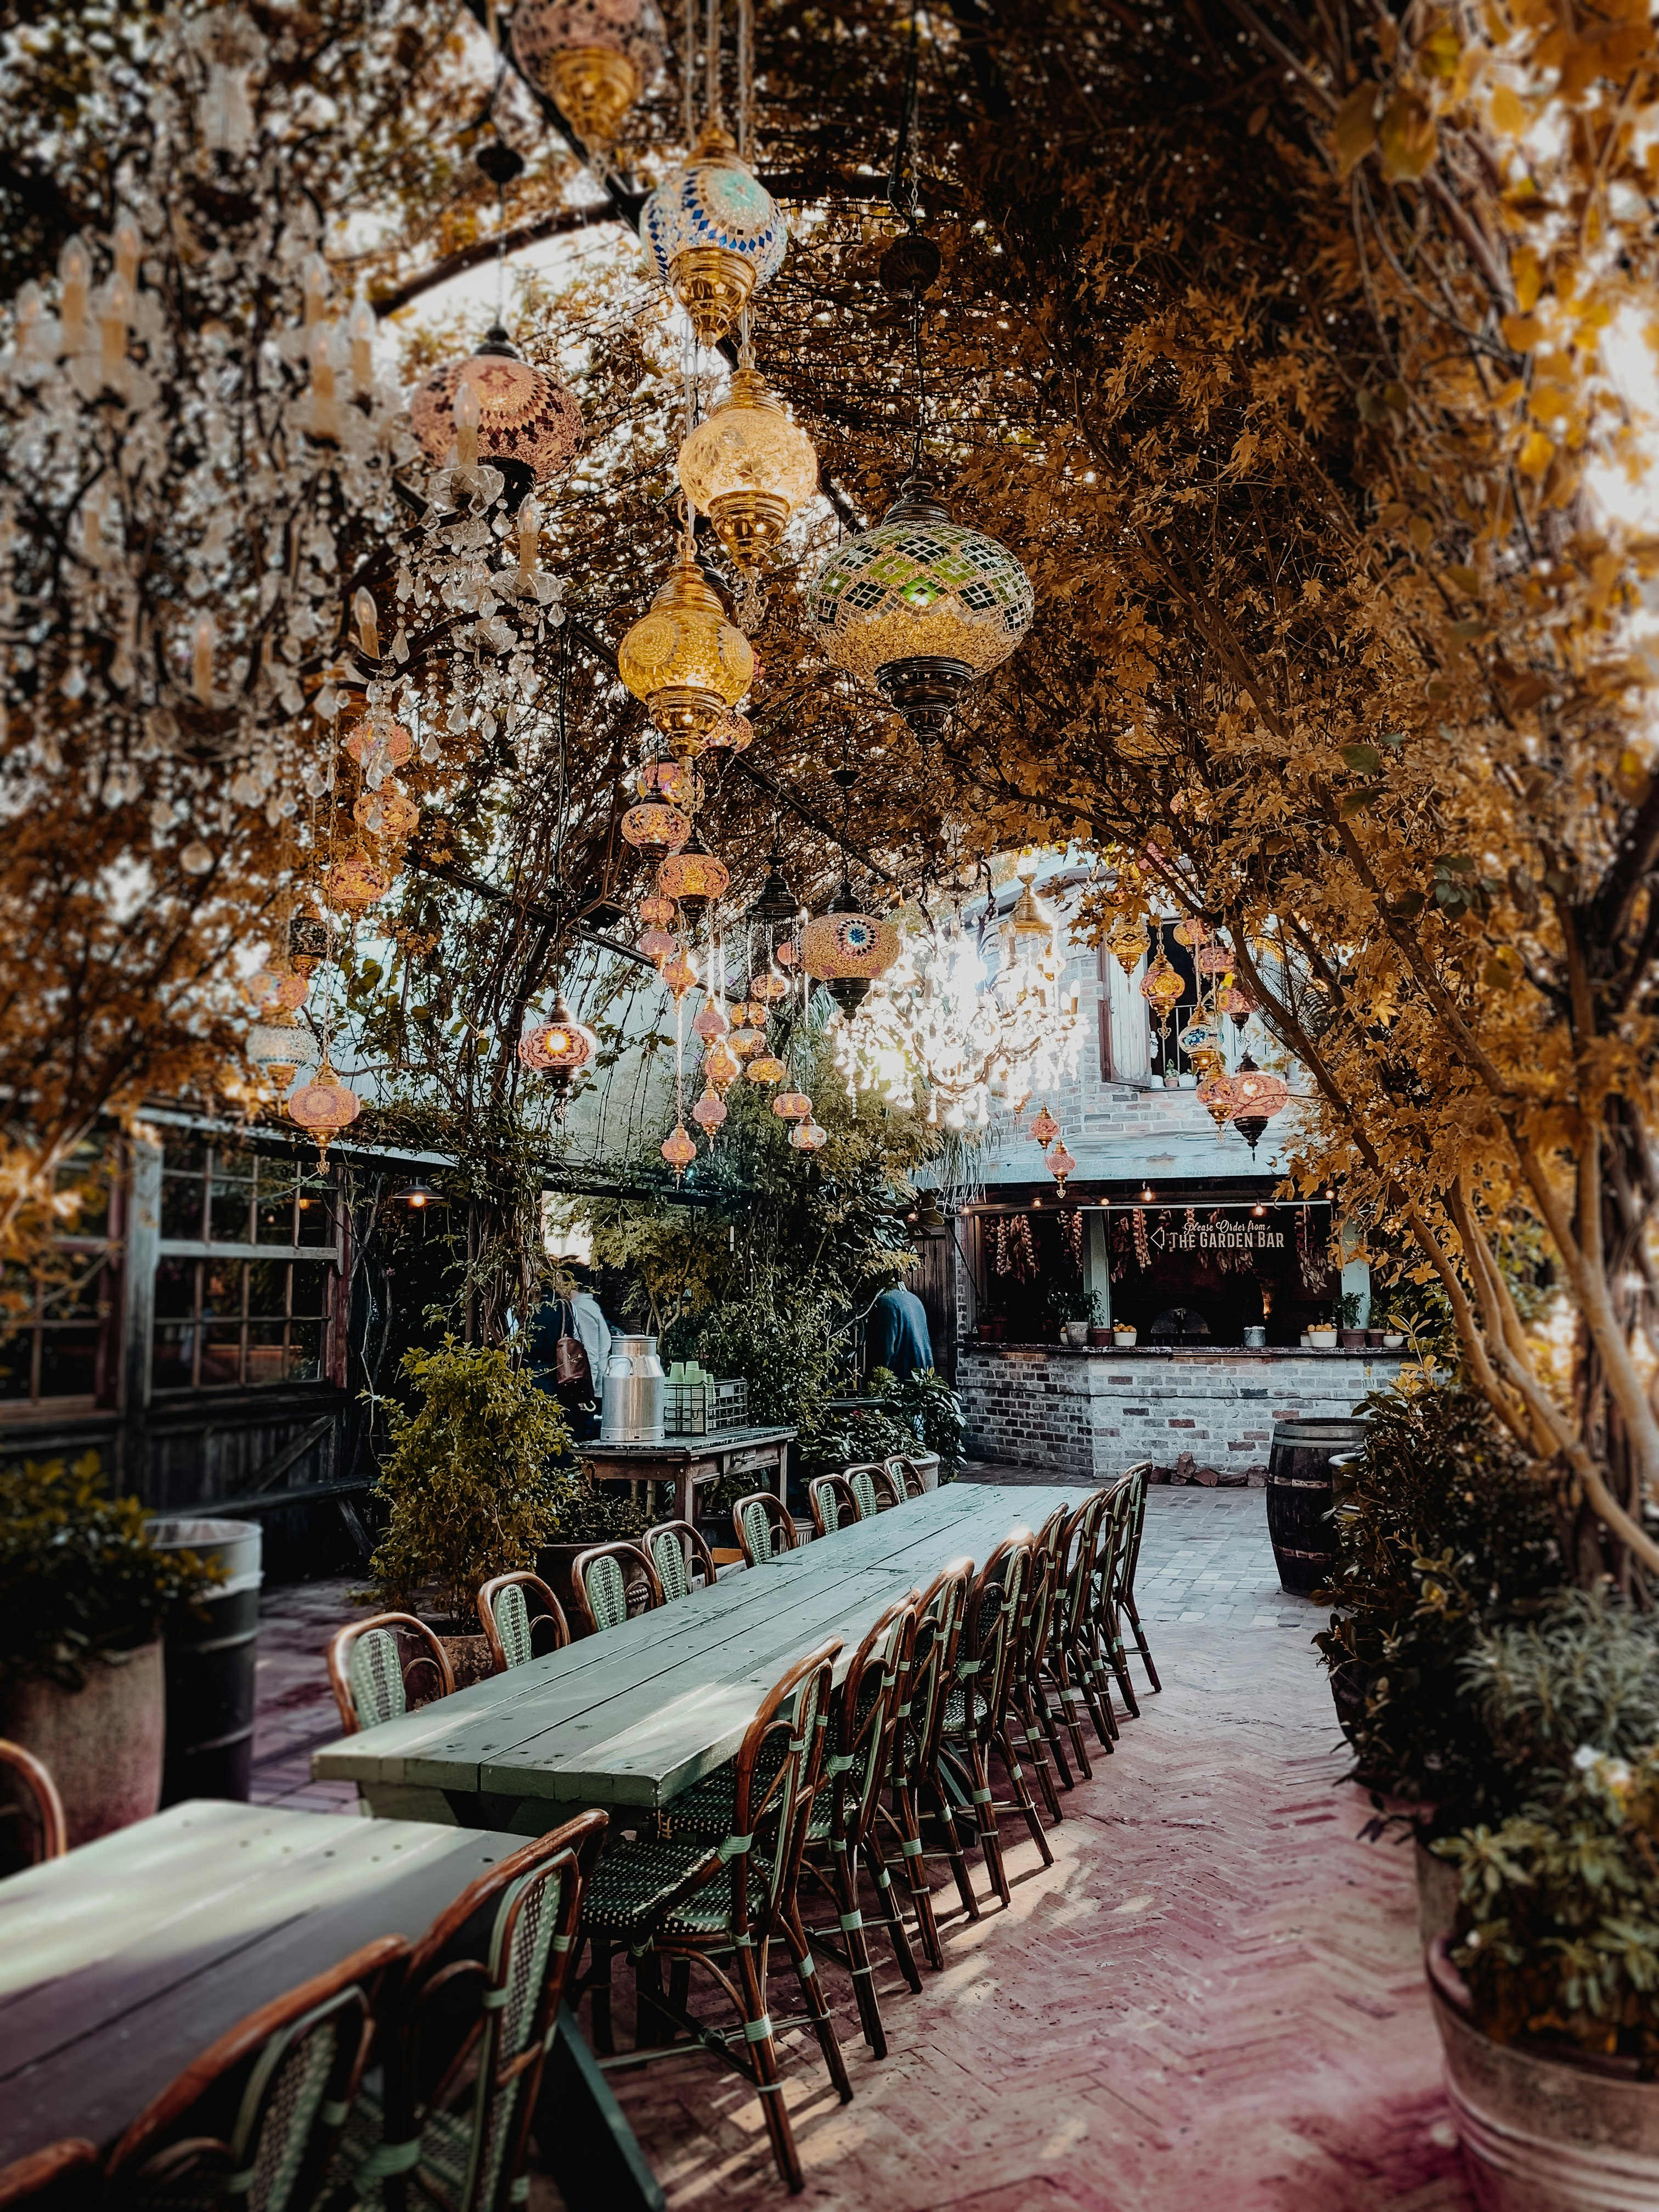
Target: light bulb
(467, 413)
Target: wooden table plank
(630, 1718)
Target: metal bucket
(1300, 1496)
(209, 1664)
(633, 1392)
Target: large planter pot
(464, 1647)
(1437, 1882)
(1542, 2133)
(210, 1658)
(101, 1744)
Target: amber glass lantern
(748, 467)
(325, 1107)
(1161, 986)
(656, 830)
(1044, 1127)
(684, 659)
(766, 1067)
(693, 879)
(1216, 1096)
(559, 1047)
(593, 57)
(680, 1149)
(709, 1111)
(356, 880)
(808, 1137)
(792, 1106)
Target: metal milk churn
(632, 1411)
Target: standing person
(569, 1342)
(895, 1335)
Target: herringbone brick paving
(1214, 1993)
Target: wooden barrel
(1299, 1498)
(211, 1656)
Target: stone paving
(1215, 1991)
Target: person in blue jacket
(896, 1335)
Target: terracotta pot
(1099, 1339)
(1374, 1339)
(1353, 1339)
(101, 1744)
(1542, 2133)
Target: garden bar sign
(1218, 1234)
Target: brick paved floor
(1215, 1991)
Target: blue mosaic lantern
(920, 606)
(714, 233)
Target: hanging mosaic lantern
(281, 1049)
(559, 1047)
(1044, 1127)
(919, 607)
(1191, 933)
(792, 1106)
(848, 949)
(654, 908)
(733, 731)
(656, 830)
(530, 424)
(748, 467)
(356, 880)
(1239, 1003)
(676, 782)
(714, 234)
(657, 945)
(1215, 1094)
(679, 974)
(593, 57)
(325, 1107)
(721, 1065)
(711, 1023)
(375, 734)
(277, 991)
(694, 878)
(1161, 986)
(1257, 1096)
(1129, 941)
(709, 1111)
(1201, 1042)
(386, 814)
(1212, 960)
(808, 1137)
(680, 1149)
(1060, 1164)
(684, 659)
(767, 1068)
(744, 1041)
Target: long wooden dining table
(629, 1719)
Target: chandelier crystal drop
(593, 57)
(684, 659)
(714, 234)
(920, 606)
(748, 467)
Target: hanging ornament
(848, 949)
(1216, 1094)
(593, 57)
(743, 1040)
(684, 659)
(920, 606)
(714, 234)
(1191, 933)
(711, 1023)
(655, 829)
(1129, 942)
(559, 1047)
(386, 814)
(277, 991)
(282, 1047)
(1201, 1042)
(655, 909)
(709, 1111)
(748, 467)
(721, 1065)
(808, 1137)
(733, 731)
(1044, 1127)
(671, 780)
(1239, 1003)
(694, 878)
(1257, 1096)
(376, 739)
(1161, 986)
(792, 1106)
(1212, 960)
(325, 1107)
(679, 975)
(657, 945)
(769, 987)
(529, 424)
(680, 1149)
(767, 1068)
(775, 901)
(356, 880)
(1060, 1164)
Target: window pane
(316, 1211)
(175, 1287)
(222, 1354)
(221, 1286)
(265, 1351)
(86, 1173)
(81, 1296)
(184, 1153)
(231, 1212)
(181, 1205)
(16, 1357)
(305, 1351)
(275, 1209)
(311, 1286)
(170, 1359)
(69, 1362)
(267, 1286)
(18, 1292)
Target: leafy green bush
(598, 1513)
(932, 1407)
(780, 1343)
(1446, 1529)
(1558, 1926)
(470, 1480)
(846, 1438)
(79, 1578)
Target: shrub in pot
(85, 1598)
(472, 1486)
(932, 1407)
(591, 1513)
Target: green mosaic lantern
(920, 606)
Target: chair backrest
(474, 2017)
(62, 2177)
(601, 1581)
(830, 1496)
(921, 1701)
(511, 1628)
(371, 1665)
(1135, 1515)
(1113, 1535)
(1042, 1591)
(906, 1475)
(769, 1805)
(675, 1548)
(1079, 1542)
(862, 1481)
(254, 2121)
(36, 1807)
(764, 1527)
(865, 1713)
(987, 1648)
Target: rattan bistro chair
(1062, 1664)
(1105, 1626)
(465, 2039)
(834, 1504)
(919, 1717)
(1128, 1560)
(257, 2116)
(35, 1808)
(511, 1630)
(872, 1487)
(908, 1475)
(603, 1581)
(976, 1716)
(1026, 1702)
(373, 1664)
(62, 2177)
(720, 1906)
(677, 1551)
(765, 1526)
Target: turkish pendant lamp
(1257, 1096)
(528, 424)
(714, 233)
(845, 949)
(684, 659)
(593, 57)
(748, 467)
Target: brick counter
(1094, 1413)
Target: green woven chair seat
(956, 1713)
(631, 1885)
(705, 1808)
(446, 2149)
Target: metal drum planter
(209, 1664)
(1299, 1498)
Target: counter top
(684, 1446)
(1166, 1351)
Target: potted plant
(934, 1411)
(1353, 1336)
(472, 1485)
(591, 1513)
(85, 1599)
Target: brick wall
(1094, 1413)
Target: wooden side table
(691, 1463)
